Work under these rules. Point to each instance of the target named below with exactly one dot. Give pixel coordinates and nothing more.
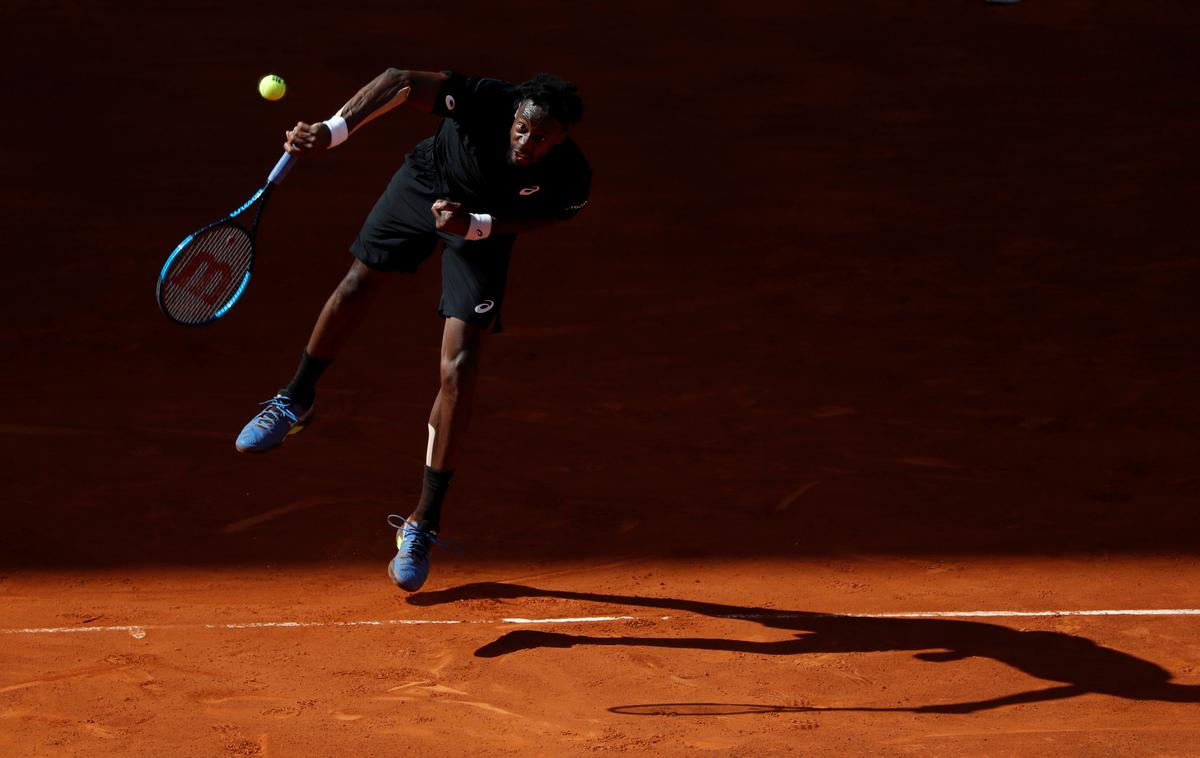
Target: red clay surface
(879, 308)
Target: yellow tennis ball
(272, 87)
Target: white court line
(969, 614)
(139, 630)
(306, 624)
(1026, 614)
(576, 620)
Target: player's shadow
(1075, 664)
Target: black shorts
(399, 235)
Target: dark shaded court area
(921, 269)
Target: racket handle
(280, 172)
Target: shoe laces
(277, 407)
(415, 541)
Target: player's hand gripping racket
(209, 270)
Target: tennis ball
(272, 87)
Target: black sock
(428, 514)
(303, 387)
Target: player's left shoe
(410, 568)
(281, 418)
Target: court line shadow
(1076, 664)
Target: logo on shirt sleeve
(449, 102)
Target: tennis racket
(208, 271)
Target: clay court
(856, 415)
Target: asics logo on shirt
(530, 190)
(485, 306)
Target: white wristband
(338, 132)
(480, 228)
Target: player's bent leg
(291, 409)
(343, 311)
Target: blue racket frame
(274, 179)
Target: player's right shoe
(280, 417)
(410, 568)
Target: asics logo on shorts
(530, 190)
(484, 307)
(449, 102)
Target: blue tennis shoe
(410, 568)
(281, 416)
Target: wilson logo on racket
(205, 277)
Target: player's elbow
(399, 76)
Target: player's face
(534, 132)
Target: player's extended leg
(291, 408)
(447, 425)
(452, 408)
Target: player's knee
(357, 282)
(457, 371)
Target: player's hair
(559, 97)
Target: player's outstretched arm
(416, 89)
(394, 87)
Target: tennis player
(501, 164)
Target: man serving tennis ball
(501, 163)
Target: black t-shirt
(469, 156)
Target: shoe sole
(396, 581)
(296, 429)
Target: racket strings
(207, 274)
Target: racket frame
(274, 179)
